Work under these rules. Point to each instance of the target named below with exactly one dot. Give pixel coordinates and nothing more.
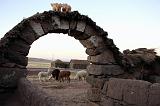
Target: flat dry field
(32, 64)
(70, 94)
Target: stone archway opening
(103, 54)
(15, 45)
(57, 46)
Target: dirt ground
(70, 94)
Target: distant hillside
(30, 59)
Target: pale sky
(130, 23)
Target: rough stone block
(8, 65)
(133, 92)
(104, 69)
(56, 22)
(154, 95)
(81, 25)
(28, 34)
(92, 42)
(64, 24)
(112, 102)
(95, 82)
(11, 65)
(81, 36)
(107, 102)
(90, 79)
(105, 88)
(105, 57)
(155, 79)
(94, 94)
(115, 88)
(37, 28)
(136, 92)
(72, 25)
(78, 35)
(17, 58)
(86, 43)
(89, 30)
(95, 51)
(19, 46)
(3, 60)
(92, 104)
(9, 76)
(47, 26)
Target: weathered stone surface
(11, 65)
(3, 59)
(92, 104)
(157, 67)
(19, 46)
(112, 102)
(37, 28)
(154, 95)
(140, 54)
(47, 26)
(105, 57)
(81, 36)
(89, 30)
(72, 25)
(115, 88)
(11, 35)
(95, 51)
(136, 92)
(94, 94)
(64, 24)
(56, 22)
(81, 25)
(154, 79)
(104, 69)
(8, 65)
(28, 35)
(105, 88)
(95, 82)
(78, 35)
(131, 91)
(16, 57)
(10, 76)
(92, 42)
(107, 102)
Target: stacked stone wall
(125, 92)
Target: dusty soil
(70, 94)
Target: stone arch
(104, 56)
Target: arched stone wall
(15, 45)
(104, 57)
